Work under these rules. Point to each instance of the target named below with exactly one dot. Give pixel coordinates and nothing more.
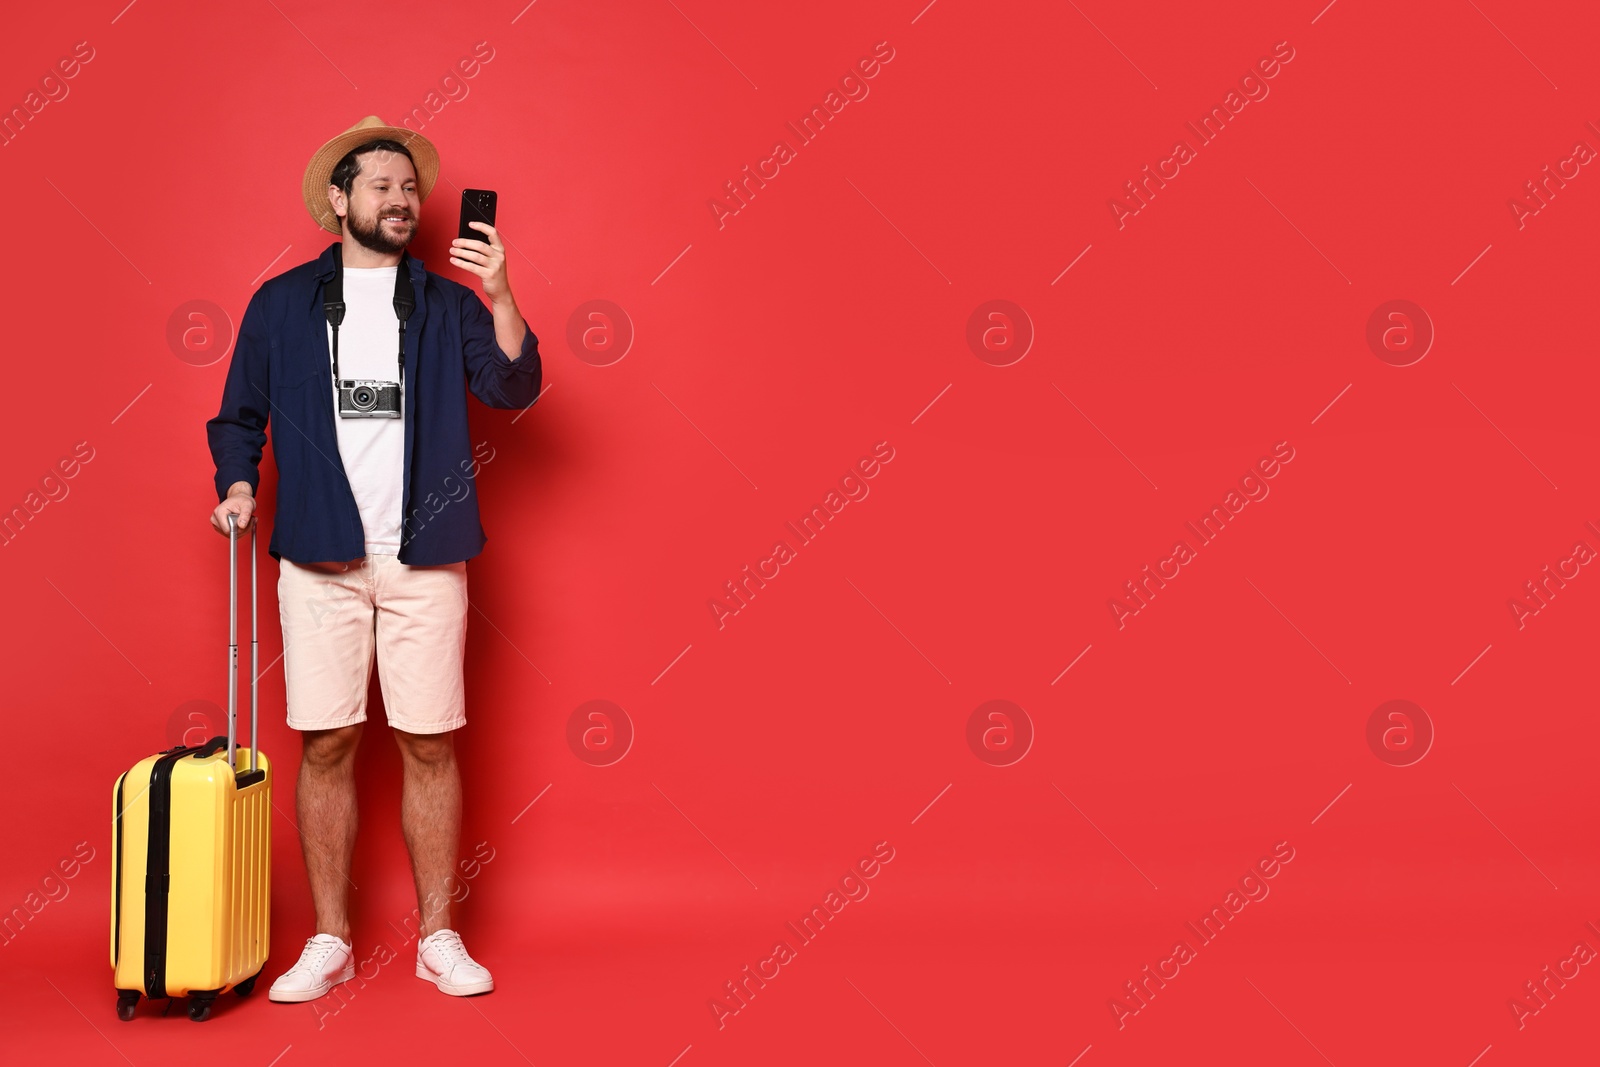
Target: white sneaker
(443, 960)
(324, 963)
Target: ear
(337, 199)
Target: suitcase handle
(211, 747)
(233, 639)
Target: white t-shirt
(373, 450)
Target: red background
(832, 711)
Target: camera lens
(363, 397)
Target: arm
(496, 376)
(509, 328)
(237, 434)
(502, 354)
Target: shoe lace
(450, 949)
(314, 954)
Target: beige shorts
(336, 615)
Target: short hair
(345, 171)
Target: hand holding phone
(478, 205)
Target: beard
(373, 233)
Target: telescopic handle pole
(233, 641)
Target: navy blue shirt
(282, 372)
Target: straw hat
(315, 185)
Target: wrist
(240, 489)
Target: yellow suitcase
(192, 846)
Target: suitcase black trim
(157, 875)
(116, 886)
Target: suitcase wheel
(126, 1003)
(200, 1010)
(244, 987)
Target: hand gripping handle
(233, 638)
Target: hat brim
(314, 187)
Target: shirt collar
(325, 262)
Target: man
(376, 514)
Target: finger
(494, 234)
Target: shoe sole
(300, 996)
(464, 989)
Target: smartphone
(477, 205)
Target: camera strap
(333, 307)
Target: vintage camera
(360, 398)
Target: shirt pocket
(295, 370)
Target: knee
(330, 749)
(429, 750)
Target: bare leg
(325, 799)
(430, 815)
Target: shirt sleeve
(239, 432)
(495, 379)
